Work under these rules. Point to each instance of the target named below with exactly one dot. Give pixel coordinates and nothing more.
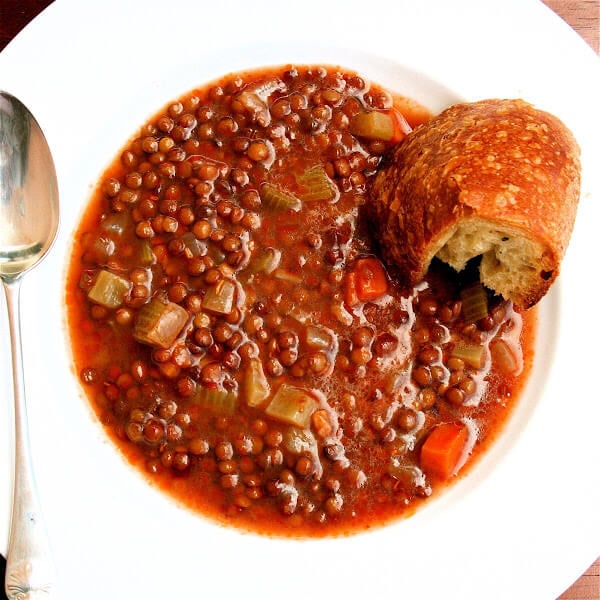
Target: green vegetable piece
(146, 255)
(317, 185)
(292, 405)
(374, 125)
(158, 323)
(277, 199)
(109, 290)
(256, 385)
(472, 354)
(287, 276)
(220, 297)
(220, 402)
(474, 302)
(265, 261)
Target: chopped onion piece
(220, 297)
(299, 441)
(254, 100)
(504, 358)
(256, 385)
(116, 223)
(292, 405)
(193, 246)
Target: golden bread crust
(501, 162)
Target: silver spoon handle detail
(29, 568)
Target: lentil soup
(238, 336)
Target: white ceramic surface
(525, 523)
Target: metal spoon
(28, 225)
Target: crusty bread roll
(497, 179)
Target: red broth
(238, 336)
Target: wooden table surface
(582, 15)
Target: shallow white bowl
(525, 522)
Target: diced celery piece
(374, 125)
(256, 385)
(220, 402)
(474, 302)
(109, 290)
(292, 405)
(317, 185)
(472, 354)
(277, 199)
(159, 323)
(265, 261)
(220, 297)
(284, 275)
(146, 255)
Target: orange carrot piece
(371, 280)
(443, 448)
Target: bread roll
(495, 178)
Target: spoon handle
(29, 568)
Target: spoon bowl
(28, 190)
(28, 225)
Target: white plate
(525, 523)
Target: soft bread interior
(511, 264)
